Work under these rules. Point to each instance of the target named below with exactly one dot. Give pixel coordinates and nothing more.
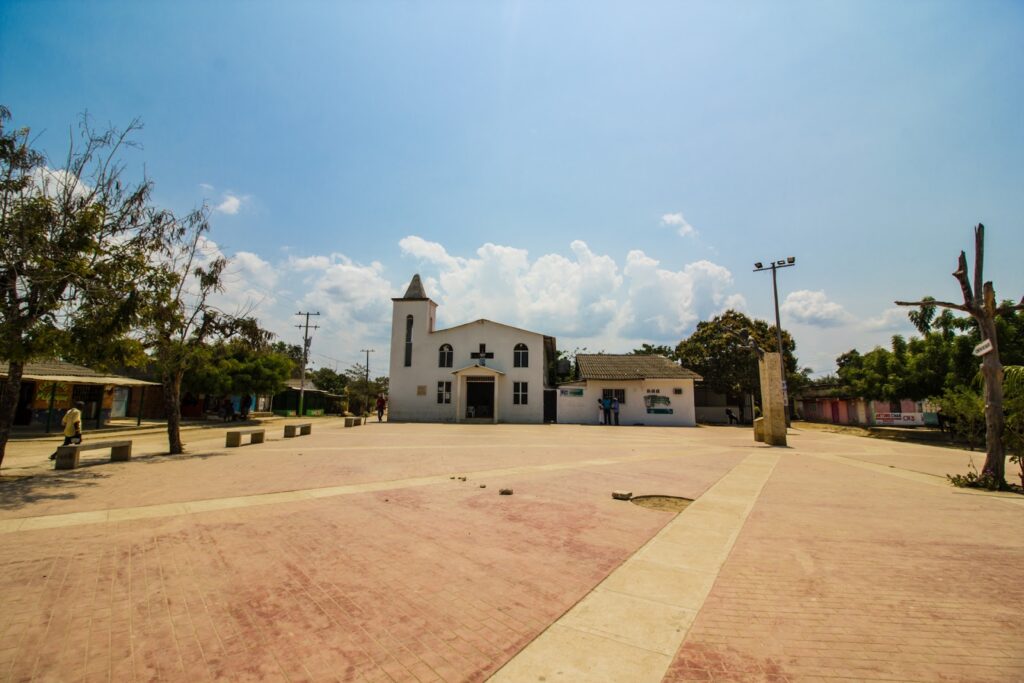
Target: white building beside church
(652, 390)
(481, 371)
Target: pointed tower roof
(415, 292)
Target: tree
(718, 351)
(653, 350)
(74, 240)
(293, 351)
(179, 319)
(329, 380)
(237, 366)
(980, 303)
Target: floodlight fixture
(791, 259)
(758, 265)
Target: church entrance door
(479, 397)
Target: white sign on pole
(983, 348)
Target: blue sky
(603, 172)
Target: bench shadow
(17, 493)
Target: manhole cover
(665, 503)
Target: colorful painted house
(50, 388)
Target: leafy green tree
(719, 352)
(293, 351)
(74, 239)
(655, 350)
(237, 367)
(329, 380)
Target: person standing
(381, 404)
(606, 409)
(615, 410)
(245, 405)
(72, 422)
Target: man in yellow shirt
(72, 422)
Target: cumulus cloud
(814, 308)
(230, 204)
(580, 295)
(681, 225)
(890, 320)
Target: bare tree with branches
(980, 303)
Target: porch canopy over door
(469, 373)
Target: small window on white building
(444, 392)
(677, 391)
(615, 393)
(445, 355)
(519, 393)
(521, 356)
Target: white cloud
(814, 308)
(581, 298)
(682, 226)
(207, 188)
(230, 205)
(890, 320)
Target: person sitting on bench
(72, 422)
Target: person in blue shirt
(606, 408)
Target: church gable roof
(630, 366)
(485, 321)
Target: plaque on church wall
(421, 390)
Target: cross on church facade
(482, 355)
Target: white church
(481, 371)
(487, 372)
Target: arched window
(445, 356)
(521, 356)
(408, 341)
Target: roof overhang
(88, 379)
(477, 369)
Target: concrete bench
(353, 421)
(299, 429)
(234, 436)
(67, 456)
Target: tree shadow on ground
(158, 458)
(17, 493)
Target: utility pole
(774, 266)
(305, 357)
(367, 352)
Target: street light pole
(774, 266)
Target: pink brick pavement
(441, 582)
(845, 574)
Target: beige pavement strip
(198, 506)
(631, 625)
(919, 477)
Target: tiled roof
(58, 367)
(60, 371)
(630, 366)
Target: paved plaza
(361, 555)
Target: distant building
(481, 371)
(833, 405)
(652, 390)
(315, 401)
